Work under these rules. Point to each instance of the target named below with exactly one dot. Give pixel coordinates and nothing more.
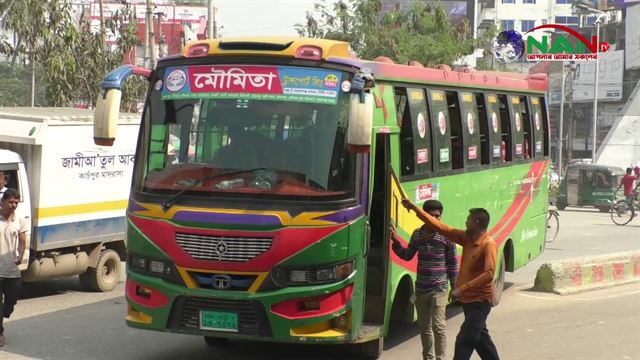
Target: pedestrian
(13, 229)
(627, 181)
(474, 284)
(437, 263)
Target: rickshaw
(589, 185)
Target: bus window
(494, 125)
(515, 109)
(406, 133)
(440, 129)
(457, 159)
(539, 127)
(472, 149)
(421, 133)
(506, 145)
(526, 128)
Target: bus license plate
(219, 321)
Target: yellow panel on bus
(275, 45)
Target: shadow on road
(50, 287)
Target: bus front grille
(252, 319)
(222, 248)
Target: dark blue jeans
(474, 334)
(10, 291)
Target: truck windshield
(289, 141)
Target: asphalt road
(56, 320)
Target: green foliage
(73, 57)
(15, 86)
(421, 33)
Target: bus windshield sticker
(473, 152)
(538, 147)
(470, 123)
(444, 155)
(496, 151)
(538, 122)
(422, 126)
(423, 156)
(519, 149)
(494, 122)
(279, 83)
(424, 192)
(518, 123)
(442, 123)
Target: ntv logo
(510, 45)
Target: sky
(260, 17)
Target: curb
(590, 273)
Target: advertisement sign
(632, 38)
(610, 78)
(456, 10)
(252, 82)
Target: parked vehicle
(589, 185)
(73, 192)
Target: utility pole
(160, 36)
(211, 13)
(151, 35)
(103, 32)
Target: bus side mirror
(360, 123)
(105, 120)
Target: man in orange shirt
(473, 287)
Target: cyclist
(627, 181)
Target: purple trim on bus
(345, 215)
(134, 206)
(210, 217)
(345, 61)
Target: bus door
(377, 256)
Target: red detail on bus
(137, 70)
(198, 50)
(309, 52)
(286, 243)
(145, 295)
(296, 309)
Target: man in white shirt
(13, 229)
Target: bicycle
(622, 211)
(553, 225)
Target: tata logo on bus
(510, 45)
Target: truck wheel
(106, 275)
(561, 205)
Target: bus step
(369, 332)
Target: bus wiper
(167, 204)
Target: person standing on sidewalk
(13, 231)
(474, 284)
(436, 264)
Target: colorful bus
(269, 173)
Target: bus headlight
(315, 275)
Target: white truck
(73, 192)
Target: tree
(422, 33)
(74, 59)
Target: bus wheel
(498, 282)
(216, 341)
(105, 276)
(371, 349)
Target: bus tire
(216, 341)
(498, 282)
(371, 349)
(105, 276)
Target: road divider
(589, 273)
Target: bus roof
(382, 68)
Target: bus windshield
(233, 142)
